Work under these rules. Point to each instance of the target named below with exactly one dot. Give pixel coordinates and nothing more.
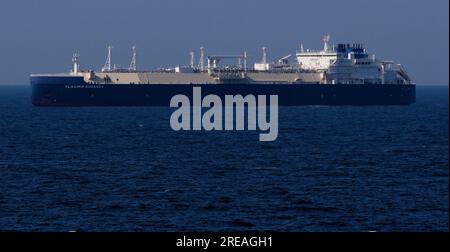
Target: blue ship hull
(73, 91)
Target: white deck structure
(341, 64)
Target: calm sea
(124, 169)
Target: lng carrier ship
(342, 74)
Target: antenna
(201, 63)
(302, 50)
(264, 57)
(191, 64)
(133, 59)
(326, 41)
(107, 66)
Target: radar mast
(107, 66)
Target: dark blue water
(331, 169)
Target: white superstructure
(350, 64)
(317, 60)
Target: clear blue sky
(41, 35)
